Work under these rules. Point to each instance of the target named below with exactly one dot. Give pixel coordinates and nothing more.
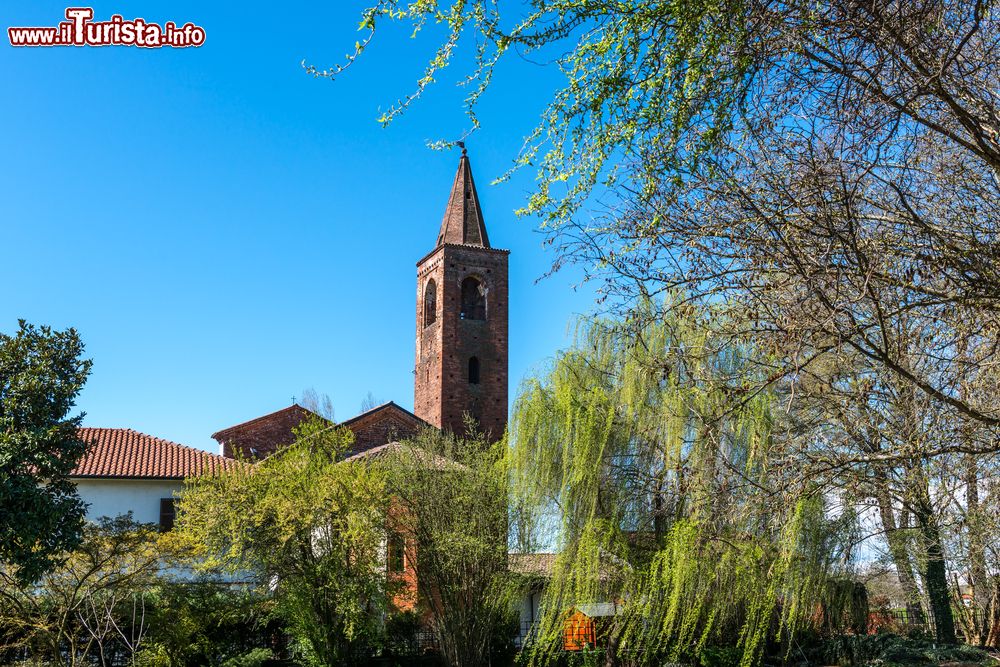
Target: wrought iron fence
(969, 622)
(904, 620)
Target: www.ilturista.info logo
(81, 30)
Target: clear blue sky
(225, 231)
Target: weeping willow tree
(646, 443)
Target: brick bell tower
(461, 365)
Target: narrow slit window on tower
(430, 303)
(473, 300)
(473, 370)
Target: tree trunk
(611, 649)
(935, 572)
(659, 511)
(977, 551)
(897, 550)
(993, 621)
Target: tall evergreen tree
(41, 515)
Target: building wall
(262, 437)
(528, 613)
(380, 429)
(112, 497)
(406, 594)
(442, 393)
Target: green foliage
(254, 658)
(308, 526)
(41, 516)
(450, 505)
(845, 606)
(645, 441)
(719, 656)
(886, 650)
(655, 83)
(94, 600)
(586, 657)
(155, 656)
(201, 623)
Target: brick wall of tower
(427, 369)
(442, 393)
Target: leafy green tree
(309, 526)
(449, 506)
(41, 516)
(659, 460)
(827, 171)
(93, 599)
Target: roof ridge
(262, 417)
(376, 409)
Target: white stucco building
(128, 471)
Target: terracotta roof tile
(122, 452)
(391, 449)
(538, 564)
(544, 564)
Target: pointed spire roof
(463, 218)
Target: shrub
(253, 658)
(720, 656)
(885, 650)
(203, 623)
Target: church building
(460, 373)
(460, 370)
(460, 378)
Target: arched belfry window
(473, 370)
(473, 299)
(430, 302)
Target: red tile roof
(538, 565)
(544, 565)
(122, 452)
